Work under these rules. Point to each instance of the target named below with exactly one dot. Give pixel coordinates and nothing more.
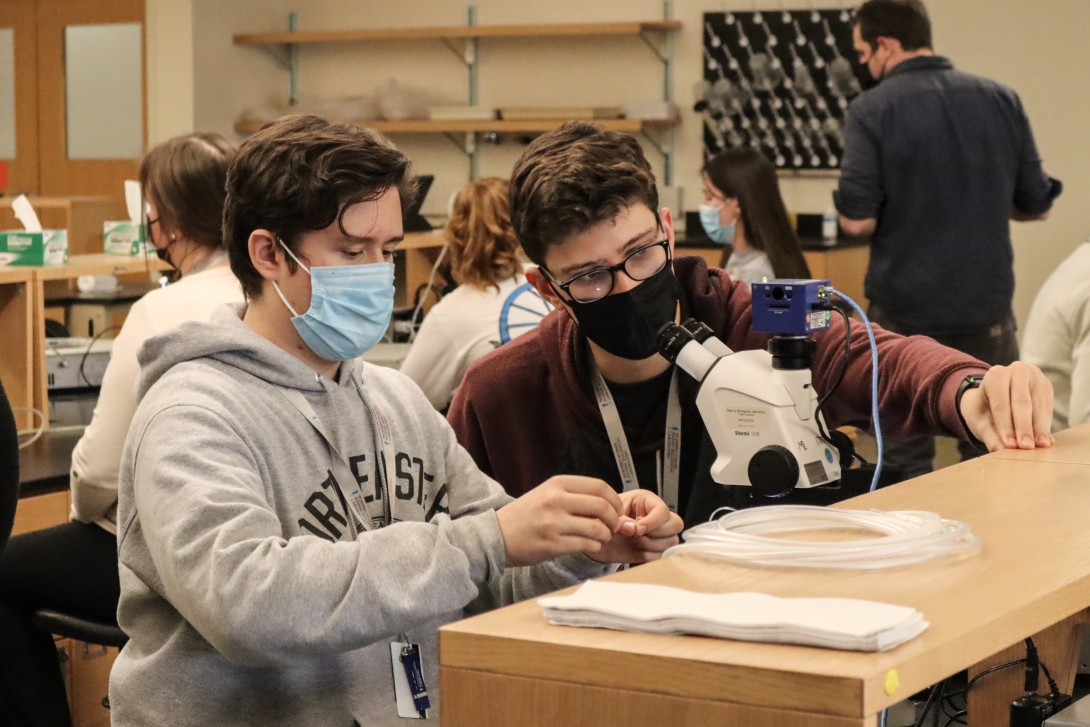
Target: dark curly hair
(300, 174)
(573, 178)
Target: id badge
(409, 689)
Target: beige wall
(1035, 47)
(229, 78)
(169, 33)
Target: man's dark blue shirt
(941, 159)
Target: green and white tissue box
(123, 238)
(19, 247)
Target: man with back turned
(936, 163)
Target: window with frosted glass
(104, 91)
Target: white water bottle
(828, 225)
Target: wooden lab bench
(1032, 578)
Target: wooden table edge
(734, 681)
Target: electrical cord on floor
(956, 717)
(984, 673)
(1032, 662)
(1031, 683)
(936, 691)
(959, 713)
(1052, 685)
(36, 433)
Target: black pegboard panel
(779, 81)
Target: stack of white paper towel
(833, 623)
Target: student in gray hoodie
(287, 511)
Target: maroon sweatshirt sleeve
(462, 417)
(918, 378)
(505, 414)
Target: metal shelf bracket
(658, 47)
(293, 62)
(468, 146)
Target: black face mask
(627, 324)
(174, 274)
(163, 253)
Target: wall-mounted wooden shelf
(459, 31)
(463, 41)
(101, 264)
(484, 126)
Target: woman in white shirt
(743, 208)
(72, 568)
(1057, 338)
(486, 262)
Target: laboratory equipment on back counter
(74, 370)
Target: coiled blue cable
(873, 379)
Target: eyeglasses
(641, 264)
(152, 222)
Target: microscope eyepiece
(671, 339)
(701, 331)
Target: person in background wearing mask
(743, 209)
(486, 263)
(936, 162)
(72, 568)
(297, 523)
(586, 393)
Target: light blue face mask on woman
(709, 220)
(350, 308)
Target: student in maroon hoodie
(583, 203)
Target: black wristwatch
(972, 381)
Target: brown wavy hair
(483, 249)
(300, 174)
(185, 178)
(573, 178)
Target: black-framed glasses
(641, 264)
(152, 222)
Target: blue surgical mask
(350, 308)
(709, 219)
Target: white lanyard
(626, 466)
(343, 472)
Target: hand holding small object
(565, 514)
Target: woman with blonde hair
(486, 262)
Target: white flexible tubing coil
(907, 537)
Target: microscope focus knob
(773, 471)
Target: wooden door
(19, 15)
(61, 176)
